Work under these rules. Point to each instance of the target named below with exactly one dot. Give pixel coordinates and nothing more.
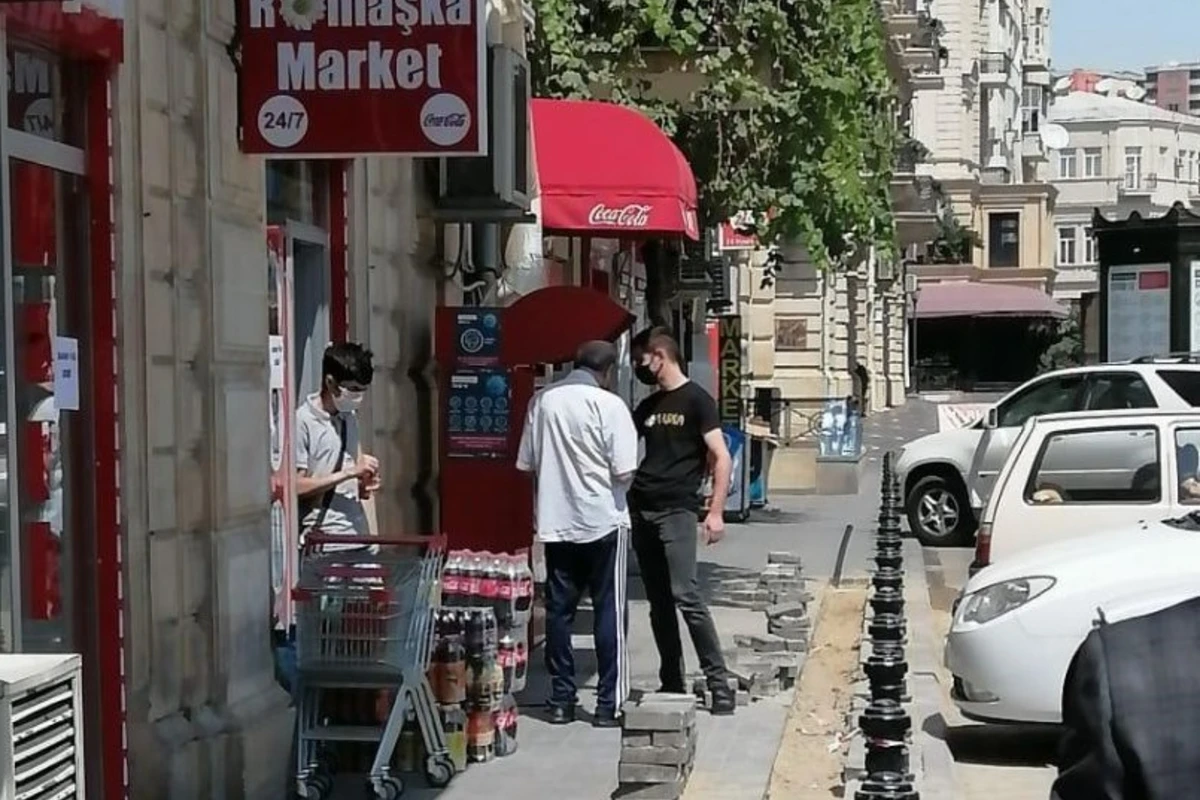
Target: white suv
(946, 476)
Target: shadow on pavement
(998, 745)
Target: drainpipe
(872, 359)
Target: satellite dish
(1135, 92)
(1062, 84)
(1104, 85)
(1055, 136)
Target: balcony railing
(995, 64)
(1132, 184)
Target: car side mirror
(992, 420)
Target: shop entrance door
(308, 254)
(49, 483)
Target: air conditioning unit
(885, 269)
(41, 727)
(910, 283)
(495, 186)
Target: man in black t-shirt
(683, 437)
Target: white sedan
(1018, 624)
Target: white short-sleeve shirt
(578, 438)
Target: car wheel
(939, 513)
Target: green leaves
(794, 113)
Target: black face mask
(644, 374)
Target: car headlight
(993, 602)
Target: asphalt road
(1019, 758)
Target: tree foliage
(796, 112)
(955, 242)
(1064, 343)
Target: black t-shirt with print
(673, 424)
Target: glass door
(308, 257)
(49, 426)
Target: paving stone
(787, 610)
(672, 790)
(660, 717)
(635, 739)
(648, 773)
(674, 738)
(797, 645)
(784, 557)
(665, 697)
(768, 643)
(665, 756)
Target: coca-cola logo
(445, 119)
(634, 215)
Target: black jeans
(598, 568)
(666, 543)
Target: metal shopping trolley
(364, 620)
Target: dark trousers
(665, 543)
(599, 568)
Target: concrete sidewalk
(735, 754)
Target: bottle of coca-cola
(474, 579)
(489, 582)
(523, 596)
(520, 666)
(451, 578)
(506, 655)
(505, 602)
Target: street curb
(930, 758)
(932, 755)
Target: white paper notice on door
(66, 373)
(275, 357)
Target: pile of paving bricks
(765, 664)
(658, 747)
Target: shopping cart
(364, 620)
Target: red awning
(973, 299)
(607, 169)
(575, 314)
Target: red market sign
(323, 78)
(728, 238)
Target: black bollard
(888, 556)
(887, 601)
(888, 578)
(886, 669)
(887, 786)
(886, 726)
(887, 628)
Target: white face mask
(346, 401)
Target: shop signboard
(729, 404)
(1139, 311)
(840, 432)
(322, 78)
(477, 337)
(477, 417)
(729, 239)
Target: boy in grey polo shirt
(333, 472)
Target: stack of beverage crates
(480, 652)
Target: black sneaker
(560, 715)
(724, 701)
(672, 689)
(605, 718)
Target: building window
(1066, 246)
(1093, 165)
(1031, 109)
(1004, 239)
(1164, 158)
(1090, 254)
(1133, 167)
(1068, 166)
(1179, 166)
(1172, 106)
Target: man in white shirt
(581, 445)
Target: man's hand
(366, 466)
(714, 527)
